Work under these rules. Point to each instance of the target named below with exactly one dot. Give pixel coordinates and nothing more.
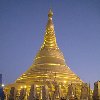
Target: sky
(77, 28)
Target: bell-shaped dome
(49, 61)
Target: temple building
(96, 92)
(49, 77)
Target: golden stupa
(48, 67)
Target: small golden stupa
(48, 67)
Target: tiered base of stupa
(48, 90)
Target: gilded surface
(49, 64)
(49, 60)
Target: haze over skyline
(77, 28)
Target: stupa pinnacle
(48, 66)
(50, 38)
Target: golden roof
(49, 63)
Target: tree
(12, 94)
(22, 94)
(32, 94)
(2, 95)
(45, 94)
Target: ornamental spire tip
(50, 38)
(50, 14)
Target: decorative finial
(49, 38)
(50, 14)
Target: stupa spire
(50, 38)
